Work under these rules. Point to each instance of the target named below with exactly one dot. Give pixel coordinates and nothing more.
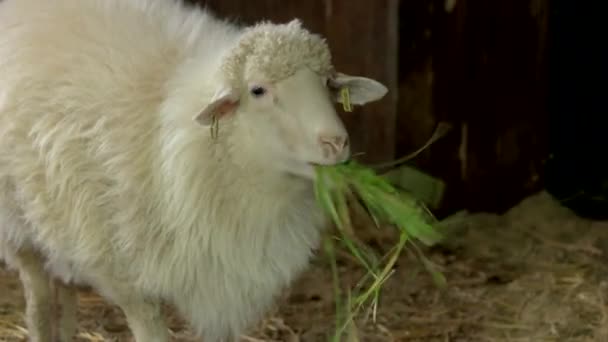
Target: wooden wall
(494, 81)
(479, 65)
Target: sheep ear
(223, 103)
(361, 89)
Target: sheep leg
(145, 320)
(38, 296)
(68, 301)
(144, 316)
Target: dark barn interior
(519, 83)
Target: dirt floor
(537, 273)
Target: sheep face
(281, 88)
(293, 121)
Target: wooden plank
(447, 57)
(249, 12)
(416, 120)
(486, 67)
(364, 38)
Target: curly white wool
(277, 51)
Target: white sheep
(162, 155)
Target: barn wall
(479, 65)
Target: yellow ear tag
(346, 99)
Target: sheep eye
(258, 91)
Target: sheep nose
(335, 147)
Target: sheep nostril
(333, 146)
(345, 143)
(340, 144)
(329, 149)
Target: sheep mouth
(308, 169)
(318, 164)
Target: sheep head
(280, 81)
